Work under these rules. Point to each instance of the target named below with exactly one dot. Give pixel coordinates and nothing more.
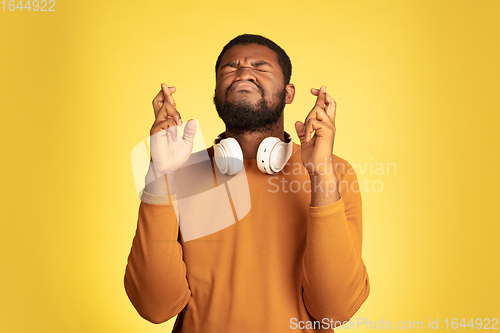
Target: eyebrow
(256, 63)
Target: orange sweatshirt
(280, 266)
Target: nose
(246, 74)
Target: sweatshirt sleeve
(155, 276)
(335, 280)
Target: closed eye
(228, 71)
(228, 68)
(259, 66)
(262, 66)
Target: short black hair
(247, 39)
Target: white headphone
(272, 155)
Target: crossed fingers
(166, 114)
(322, 114)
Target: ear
(290, 93)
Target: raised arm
(155, 276)
(335, 280)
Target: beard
(241, 116)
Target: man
(293, 261)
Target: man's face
(250, 90)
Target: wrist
(324, 189)
(320, 167)
(158, 184)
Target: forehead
(249, 52)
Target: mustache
(258, 87)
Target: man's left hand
(317, 151)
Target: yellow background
(416, 84)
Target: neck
(250, 141)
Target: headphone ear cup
(220, 157)
(271, 155)
(228, 156)
(278, 157)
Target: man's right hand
(169, 151)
